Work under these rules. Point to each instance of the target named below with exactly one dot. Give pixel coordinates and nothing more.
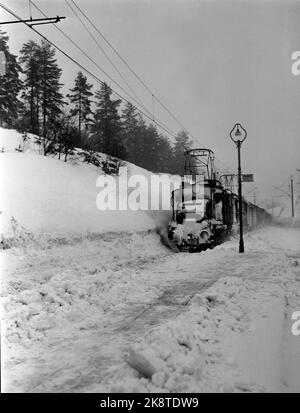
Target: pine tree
(158, 154)
(145, 146)
(151, 147)
(31, 86)
(182, 144)
(10, 84)
(132, 125)
(42, 98)
(164, 155)
(51, 100)
(80, 97)
(107, 127)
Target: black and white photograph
(150, 199)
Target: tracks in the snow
(170, 303)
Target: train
(205, 210)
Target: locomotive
(204, 211)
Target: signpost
(247, 178)
(230, 177)
(238, 134)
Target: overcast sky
(213, 63)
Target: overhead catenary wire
(29, 6)
(86, 70)
(147, 114)
(129, 67)
(153, 95)
(158, 123)
(103, 51)
(90, 59)
(100, 47)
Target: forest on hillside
(31, 101)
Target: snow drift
(46, 195)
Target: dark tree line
(10, 85)
(31, 101)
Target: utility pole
(292, 196)
(34, 22)
(30, 22)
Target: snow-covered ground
(92, 301)
(126, 314)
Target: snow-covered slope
(47, 195)
(11, 140)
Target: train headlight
(204, 235)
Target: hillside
(47, 195)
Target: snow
(93, 302)
(228, 340)
(124, 314)
(283, 212)
(47, 195)
(10, 140)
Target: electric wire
(148, 115)
(158, 123)
(103, 51)
(137, 76)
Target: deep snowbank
(46, 195)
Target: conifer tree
(182, 144)
(49, 77)
(10, 84)
(151, 138)
(80, 98)
(42, 98)
(145, 146)
(107, 127)
(31, 86)
(132, 132)
(164, 155)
